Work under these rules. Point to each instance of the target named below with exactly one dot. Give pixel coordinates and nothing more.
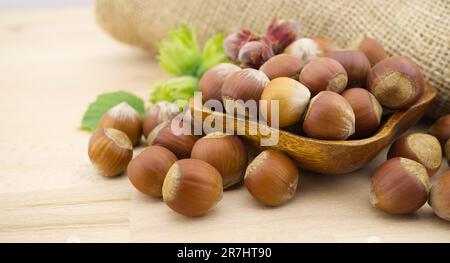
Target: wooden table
(52, 64)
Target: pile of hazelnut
(324, 92)
(401, 185)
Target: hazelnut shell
(159, 113)
(292, 97)
(192, 187)
(212, 81)
(282, 65)
(226, 153)
(125, 118)
(441, 129)
(420, 147)
(272, 178)
(148, 170)
(367, 109)
(180, 145)
(323, 74)
(440, 196)
(400, 186)
(371, 47)
(329, 117)
(396, 82)
(110, 151)
(355, 64)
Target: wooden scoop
(324, 156)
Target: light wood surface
(52, 64)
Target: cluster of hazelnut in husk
(188, 171)
(401, 185)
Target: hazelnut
(307, 49)
(148, 170)
(420, 147)
(233, 42)
(439, 198)
(400, 186)
(159, 113)
(355, 64)
(272, 178)
(226, 153)
(396, 82)
(281, 33)
(180, 145)
(192, 187)
(329, 117)
(282, 65)
(292, 97)
(371, 47)
(110, 151)
(125, 118)
(246, 84)
(211, 82)
(254, 53)
(367, 109)
(323, 74)
(441, 130)
(325, 44)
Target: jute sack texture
(419, 29)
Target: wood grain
(53, 63)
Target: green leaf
(106, 101)
(179, 54)
(174, 90)
(213, 54)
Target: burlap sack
(419, 29)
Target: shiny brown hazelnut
(396, 82)
(192, 187)
(246, 85)
(371, 47)
(329, 117)
(441, 129)
(110, 151)
(272, 178)
(323, 74)
(420, 147)
(400, 186)
(282, 65)
(159, 113)
(367, 109)
(292, 97)
(439, 198)
(180, 145)
(210, 84)
(124, 118)
(355, 64)
(148, 170)
(226, 153)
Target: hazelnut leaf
(213, 54)
(179, 54)
(174, 90)
(106, 101)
